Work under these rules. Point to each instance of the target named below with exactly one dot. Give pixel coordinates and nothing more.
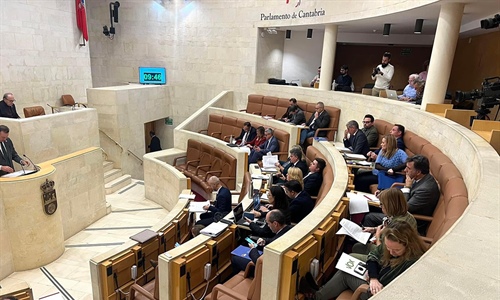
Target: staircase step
(112, 175)
(117, 184)
(107, 165)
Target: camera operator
(382, 74)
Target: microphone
(37, 168)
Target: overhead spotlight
(491, 22)
(288, 34)
(419, 23)
(309, 33)
(387, 30)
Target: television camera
(488, 96)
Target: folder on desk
(214, 229)
(243, 252)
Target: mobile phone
(250, 241)
(249, 215)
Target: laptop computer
(392, 94)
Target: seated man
(344, 81)
(354, 139)
(301, 203)
(421, 191)
(271, 145)
(7, 107)
(314, 179)
(398, 132)
(222, 204)
(320, 119)
(294, 160)
(409, 93)
(247, 134)
(296, 116)
(287, 116)
(276, 220)
(370, 130)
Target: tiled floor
(130, 213)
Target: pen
(367, 197)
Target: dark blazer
(265, 231)
(222, 202)
(298, 118)
(302, 165)
(301, 206)
(254, 253)
(270, 145)
(11, 155)
(312, 183)
(423, 198)
(251, 135)
(155, 144)
(322, 122)
(358, 143)
(8, 111)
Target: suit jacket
(358, 143)
(155, 144)
(222, 202)
(254, 253)
(11, 155)
(299, 164)
(270, 145)
(322, 122)
(298, 118)
(423, 198)
(312, 183)
(251, 135)
(301, 206)
(257, 141)
(8, 111)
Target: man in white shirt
(382, 75)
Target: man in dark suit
(271, 145)
(155, 142)
(314, 179)
(222, 205)
(320, 119)
(294, 160)
(302, 204)
(296, 116)
(8, 153)
(276, 220)
(287, 116)
(355, 139)
(247, 134)
(421, 191)
(7, 107)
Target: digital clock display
(152, 75)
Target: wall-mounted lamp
(309, 33)
(288, 34)
(387, 30)
(419, 23)
(113, 18)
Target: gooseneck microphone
(37, 168)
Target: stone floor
(70, 274)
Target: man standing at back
(320, 119)
(382, 75)
(8, 153)
(370, 130)
(7, 107)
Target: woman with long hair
(390, 160)
(401, 247)
(259, 139)
(277, 200)
(394, 206)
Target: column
(328, 57)
(443, 52)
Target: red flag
(81, 18)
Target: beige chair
(149, 291)
(438, 109)
(242, 286)
(382, 94)
(33, 111)
(460, 116)
(488, 130)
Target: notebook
(144, 236)
(392, 94)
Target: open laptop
(392, 94)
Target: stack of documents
(354, 156)
(358, 203)
(198, 206)
(353, 230)
(214, 229)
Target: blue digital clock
(152, 75)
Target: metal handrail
(121, 147)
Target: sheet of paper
(18, 173)
(357, 203)
(186, 196)
(260, 176)
(353, 230)
(269, 161)
(195, 206)
(351, 265)
(364, 163)
(354, 156)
